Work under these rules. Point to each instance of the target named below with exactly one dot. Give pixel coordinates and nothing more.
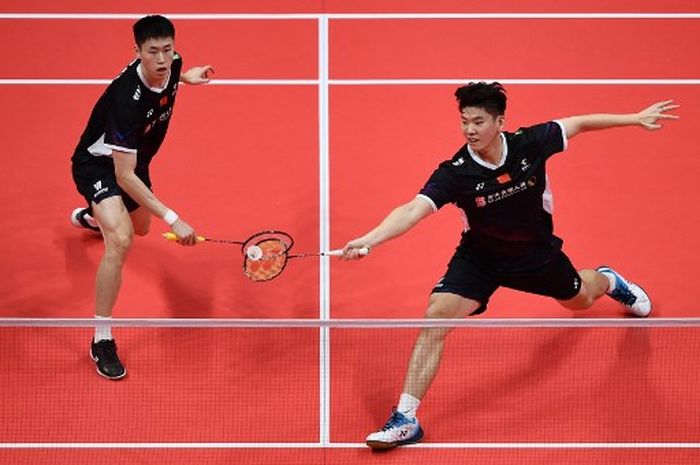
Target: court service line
(374, 82)
(219, 82)
(418, 16)
(311, 445)
(510, 81)
(346, 16)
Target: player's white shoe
(398, 431)
(629, 294)
(80, 218)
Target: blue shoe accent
(399, 430)
(628, 293)
(622, 292)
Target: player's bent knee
(582, 301)
(118, 242)
(439, 311)
(446, 305)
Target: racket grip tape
(171, 236)
(337, 253)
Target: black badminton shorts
(470, 275)
(96, 181)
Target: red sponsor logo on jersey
(480, 202)
(164, 101)
(504, 178)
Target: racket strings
(271, 257)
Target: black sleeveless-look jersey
(508, 208)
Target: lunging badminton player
(499, 181)
(111, 166)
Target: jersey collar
(157, 90)
(486, 164)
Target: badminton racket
(265, 253)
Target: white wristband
(170, 217)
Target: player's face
(480, 128)
(156, 58)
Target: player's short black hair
(152, 27)
(489, 96)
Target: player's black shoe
(81, 218)
(104, 353)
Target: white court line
(311, 445)
(389, 323)
(375, 82)
(324, 231)
(508, 81)
(215, 82)
(172, 16)
(417, 16)
(347, 16)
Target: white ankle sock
(90, 220)
(611, 281)
(102, 332)
(408, 405)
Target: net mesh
(252, 393)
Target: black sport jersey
(507, 208)
(130, 117)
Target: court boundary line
(377, 82)
(346, 16)
(324, 228)
(338, 445)
(358, 323)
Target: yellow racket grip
(171, 236)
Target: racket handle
(171, 236)
(338, 252)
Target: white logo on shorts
(100, 190)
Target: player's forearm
(649, 118)
(396, 223)
(594, 122)
(137, 190)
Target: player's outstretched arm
(197, 75)
(400, 220)
(649, 118)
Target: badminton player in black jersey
(499, 181)
(111, 164)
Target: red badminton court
(324, 116)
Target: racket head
(275, 246)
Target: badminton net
(309, 391)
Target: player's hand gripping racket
(265, 254)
